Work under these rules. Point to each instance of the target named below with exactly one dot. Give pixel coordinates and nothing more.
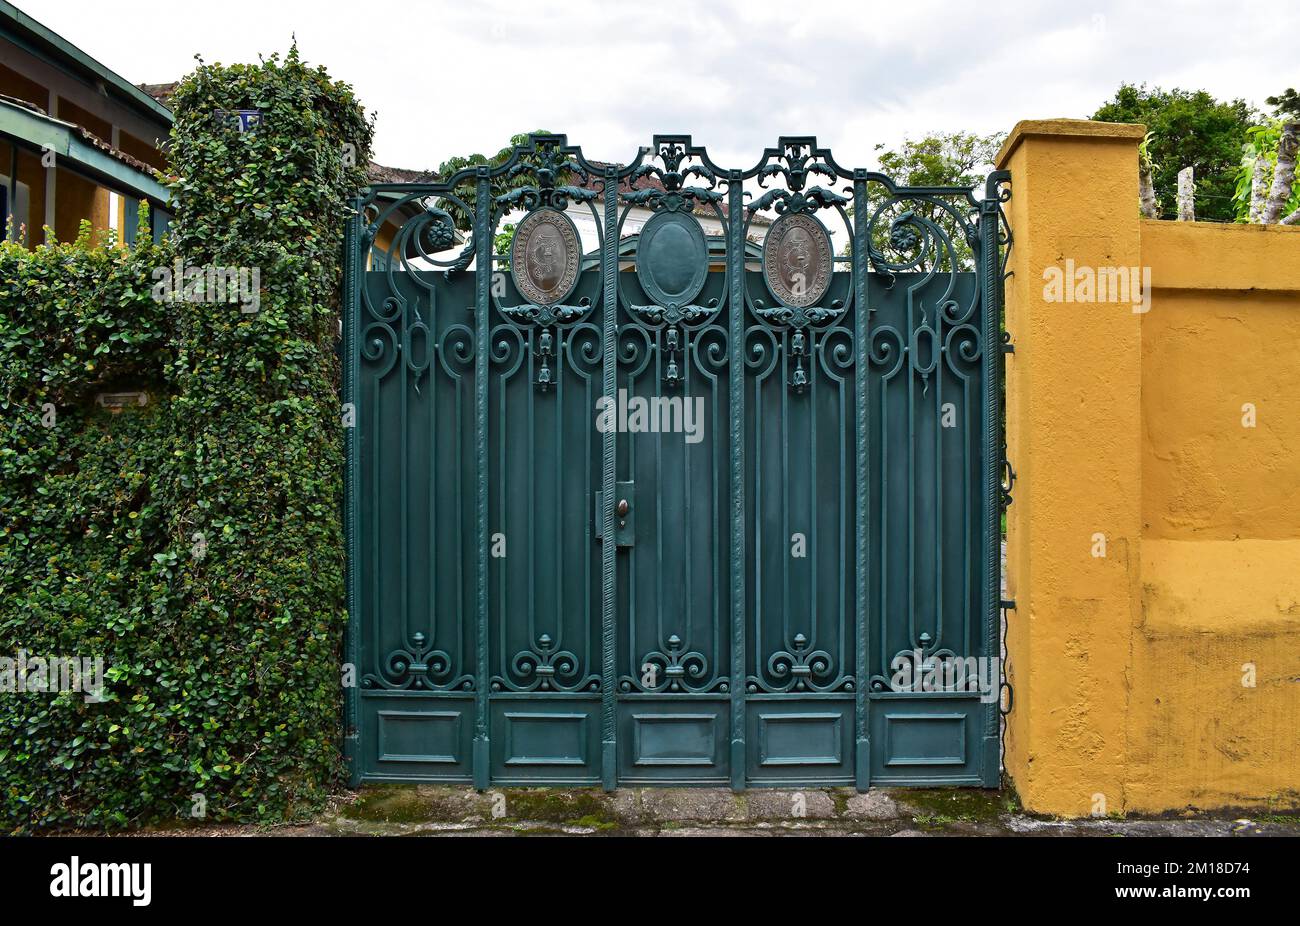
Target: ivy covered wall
(195, 542)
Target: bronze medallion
(545, 256)
(797, 260)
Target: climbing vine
(193, 542)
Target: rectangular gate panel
(927, 741)
(544, 568)
(804, 740)
(551, 741)
(671, 593)
(673, 740)
(418, 737)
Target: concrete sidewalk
(410, 810)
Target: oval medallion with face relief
(797, 260)
(545, 256)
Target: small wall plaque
(117, 401)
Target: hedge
(195, 543)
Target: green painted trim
(49, 46)
(41, 132)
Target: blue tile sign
(242, 120)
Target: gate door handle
(624, 528)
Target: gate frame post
(736, 383)
(608, 546)
(351, 457)
(482, 282)
(862, 657)
(996, 190)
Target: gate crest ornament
(797, 260)
(545, 256)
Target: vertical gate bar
(990, 536)
(861, 261)
(482, 280)
(736, 383)
(608, 548)
(351, 452)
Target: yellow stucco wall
(1128, 668)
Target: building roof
(30, 35)
(161, 92)
(96, 157)
(653, 182)
(378, 173)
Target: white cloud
(455, 77)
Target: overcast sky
(455, 77)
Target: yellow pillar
(1074, 438)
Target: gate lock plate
(624, 514)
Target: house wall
(79, 199)
(1157, 669)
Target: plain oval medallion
(797, 260)
(545, 256)
(672, 259)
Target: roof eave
(64, 139)
(49, 45)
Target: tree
(500, 185)
(1188, 129)
(1286, 103)
(943, 159)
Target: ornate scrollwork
(674, 669)
(798, 161)
(656, 315)
(800, 669)
(794, 317)
(674, 196)
(419, 667)
(544, 668)
(798, 259)
(544, 315)
(923, 657)
(917, 239)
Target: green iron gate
(675, 507)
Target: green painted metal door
(697, 482)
